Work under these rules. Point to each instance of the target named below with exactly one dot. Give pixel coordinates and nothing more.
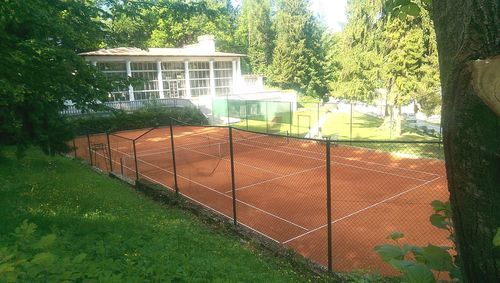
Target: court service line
(312, 158)
(368, 162)
(223, 139)
(279, 177)
(344, 164)
(223, 194)
(363, 209)
(236, 162)
(389, 166)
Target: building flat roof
(159, 52)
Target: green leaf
(401, 265)
(438, 221)
(388, 252)
(496, 239)
(438, 258)
(411, 9)
(45, 241)
(79, 258)
(418, 273)
(6, 267)
(44, 259)
(396, 236)
(438, 205)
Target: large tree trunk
(468, 30)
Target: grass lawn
(303, 120)
(367, 127)
(106, 232)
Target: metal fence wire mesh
(332, 201)
(122, 154)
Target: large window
(116, 72)
(199, 78)
(174, 79)
(146, 85)
(223, 72)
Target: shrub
(146, 117)
(34, 259)
(418, 263)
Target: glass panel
(199, 77)
(116, 72)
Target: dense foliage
(386, 58)
(39, 42)
(146, 117)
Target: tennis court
(281, 186)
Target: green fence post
(350, 124)
(135, 162)
(74, 147)
(109, 154)
(176, 188)
(329, 205)
(267, 118)
(90, 149)
(317, 104)
(233, 183)
(246, 113)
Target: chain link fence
(331, 200)
(336, 120)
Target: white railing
(72, 110)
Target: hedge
(146, 117)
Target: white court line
(201, 143)
(236, 162)
(211, 208)
(368, 162)
(313, 158)
(385, 165)
(223, 194)
(344, 164)
(362, 210)
(276, 178)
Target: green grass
(367, 127)
(303, 119)
(125, 236)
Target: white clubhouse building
(196, 72)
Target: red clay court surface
(281, 187)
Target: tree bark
(468, 30)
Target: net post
(233, 186)
(135, 162)
(90, 150)
(317, 104)
(267, 118)
(109, 153)
(74, 148)
(176, 188)
(329, 204)
(291, 117)
(350, 126)
(246, 112)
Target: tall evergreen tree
(256, 34)
(389, 56)
(357, 55)
(298, 56)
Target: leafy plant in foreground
(421, 264)
(31, 260)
